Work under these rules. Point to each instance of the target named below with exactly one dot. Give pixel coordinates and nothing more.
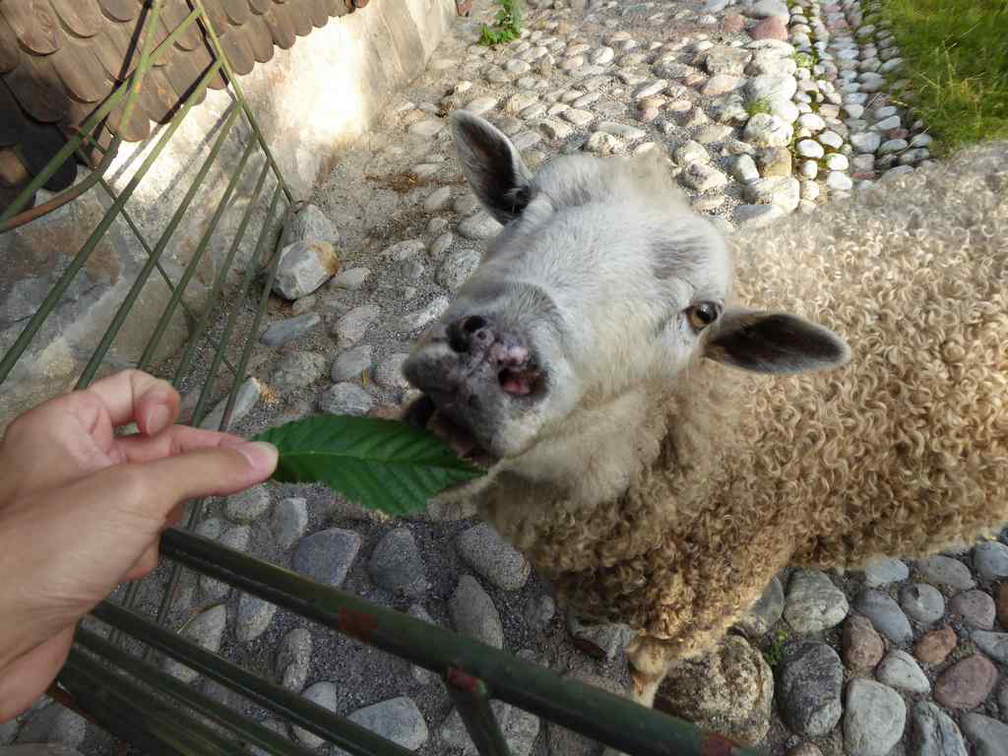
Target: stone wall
(310, 101)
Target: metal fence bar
(180, 287)
(239, 95)
(120, 317)
(472, 700)
(81, 258)
(215, 292)
(160, 268)
(118, 706)
(261, 248)
(129, 88)
(242, 726)
(608, 718)
(341, 732)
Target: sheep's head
(602, 278)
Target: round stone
(990, 559)
(729, 689)
(397, 566)
(322, 694)
(485, 551)
(885, 615)
(899, 670)
(813, 603)
(995, 645)
(345, 399)
(935, 732)
(881, 572)
(473, 613)
(966, 684)
(810, 684)
(397, 720)
(943, 570)
(837, 162)
(765, 613)
(351, 364)
(862, 646)
(934, 646)
(326, 556)
(809, 148)
(838, 181)
(975, 607)
(247, 506)
(766, 130)
(874, 718)
(922, 603)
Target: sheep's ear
(771, 342)
(492, 165)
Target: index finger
(178, 439)
(136, 396)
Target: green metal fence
(128, 694)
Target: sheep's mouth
(526, 381)
(423, 414)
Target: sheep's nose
(468, 333)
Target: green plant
(506, 27)
(757, 106)
(774, 653)
(956, 58)
(380, 464)
(803, 60)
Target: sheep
(670, 417)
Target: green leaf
(380, 464)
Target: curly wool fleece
(902, 452)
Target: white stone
(809, 148)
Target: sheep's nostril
(465, 332)
(473, 323)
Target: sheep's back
(905, 450)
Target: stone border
(851, 128)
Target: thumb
(214, 471)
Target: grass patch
(752, 107)
(803, 60)
(774, 652)
(506, 27)
(956, 54)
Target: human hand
(81, 510)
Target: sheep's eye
(702, 315)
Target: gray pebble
(810, 685)
(935, 733)
(253, 617)
(352, 279)
(882, 572)
(602, 640)
(990, 559)
(479, 227)
(293, 658)
(345, 399)
(473, 613)
(885, 615)
(874, 718)
(813, 603)
(53, 724)
(327, 556)
(396, 564)
(943, 570)
(298, 370)
(323, 694)
(303, 267)
(397, 719)
(352, 326)
(485, 551)
(206, 630)
(922, 603)
(457, 267)
(289, 522)
(281, 332)
(247, 506)
(995, 645)
(989, 736)
(352, 363)
(900, 670)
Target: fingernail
(157, 419)
(261, 455)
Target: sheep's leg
(650, 660)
